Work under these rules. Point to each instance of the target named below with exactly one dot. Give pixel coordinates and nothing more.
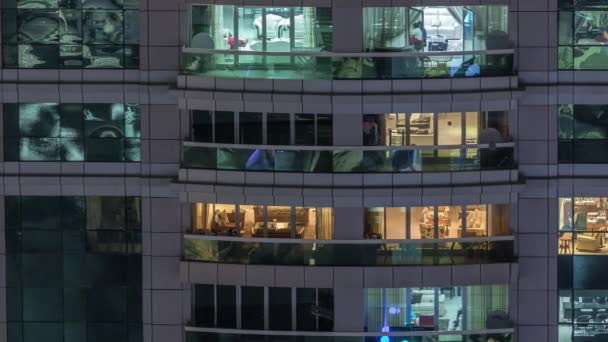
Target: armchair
(590, 242)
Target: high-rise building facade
(290, 170)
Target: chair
(426, 321)
(589, 242)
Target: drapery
(325, 230)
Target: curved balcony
(194, 334)
(348, 159)
(295, 252)
(315, 65)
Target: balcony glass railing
(307, 65)
(372, 159)
(348, 252)
(231, 335)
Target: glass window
(422, 129)
(449, 127)
(224, 127)
(204, 307)
(216, 219)
(65, 35)
(374, 223)
(254, 219)
(325, 309)
(582, 34)
(476, 221)
(373, 134)
(472, 127)
(306, 300)
(583, 133)
(586, 216)
(279, 308)
(252, 307)
(72, 132)
(42, 331)
(481, 300)
(498, 220)
(444, 309)
(385, 27)
(422, 224)
(437, 28)
(325, 223)
(324, 130)
(278, 129)
(314, 223)
(305, 129)
(280, 222)
(202, 126)
(495, 122)
(250, 128)
(107, 304)
(276, 29)
(42, 304)
(226, 306)
(69, 271)
(261, 221)
(449, 222)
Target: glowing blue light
(393, 310)
(384, 339)
(385, 328)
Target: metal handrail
(345, 148)
(186, 49)
(190, 236)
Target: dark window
(278, 129)
(324, 130)
(250, 130)
(202, 126)
(279, 308)
(203, 305)
(69, 277)
(325, 309)
(583, 133)
(497, 121)
(224, 127)
(226, 306)
(305, 129)
(306, 301)
(252, 308)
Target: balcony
(229, 335)
(334, 159)
(315, 65)
(295, 252)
